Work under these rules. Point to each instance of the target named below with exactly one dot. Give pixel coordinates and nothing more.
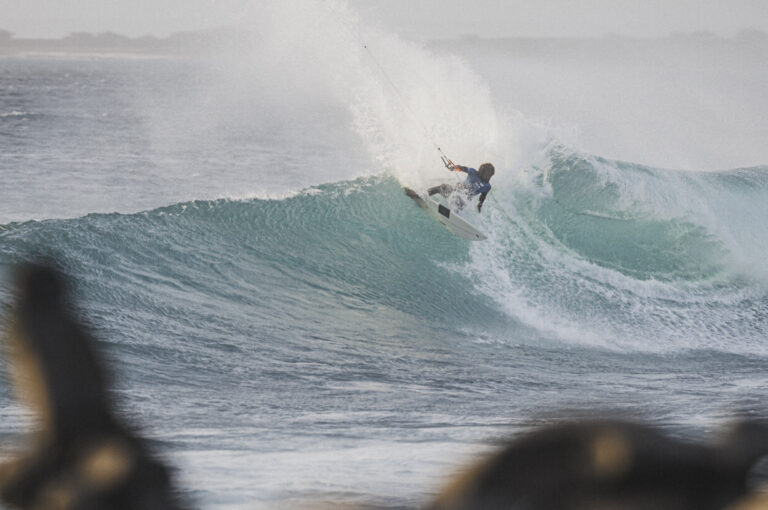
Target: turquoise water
(287, 326)
(341, 328)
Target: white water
(306, 105)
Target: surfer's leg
(457, 202)
(443, 189)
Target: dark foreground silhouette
(85, 458)
(82, 457)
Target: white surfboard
(446, 217)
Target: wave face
(356, 246)
(577, 254)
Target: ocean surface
(289, 328)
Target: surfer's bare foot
(410, 193)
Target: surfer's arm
(459, 168)
(480, 202)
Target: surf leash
(425, 131)
(405, 105)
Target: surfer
(476, 183)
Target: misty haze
(264, 208)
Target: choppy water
(289, 327)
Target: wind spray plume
(409, 102)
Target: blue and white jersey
(474, 183)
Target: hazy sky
(412, 18)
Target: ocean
(288, 328)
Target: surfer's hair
(486, 171)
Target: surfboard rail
(448, 218)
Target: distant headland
(213, 41)
(182, 43)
